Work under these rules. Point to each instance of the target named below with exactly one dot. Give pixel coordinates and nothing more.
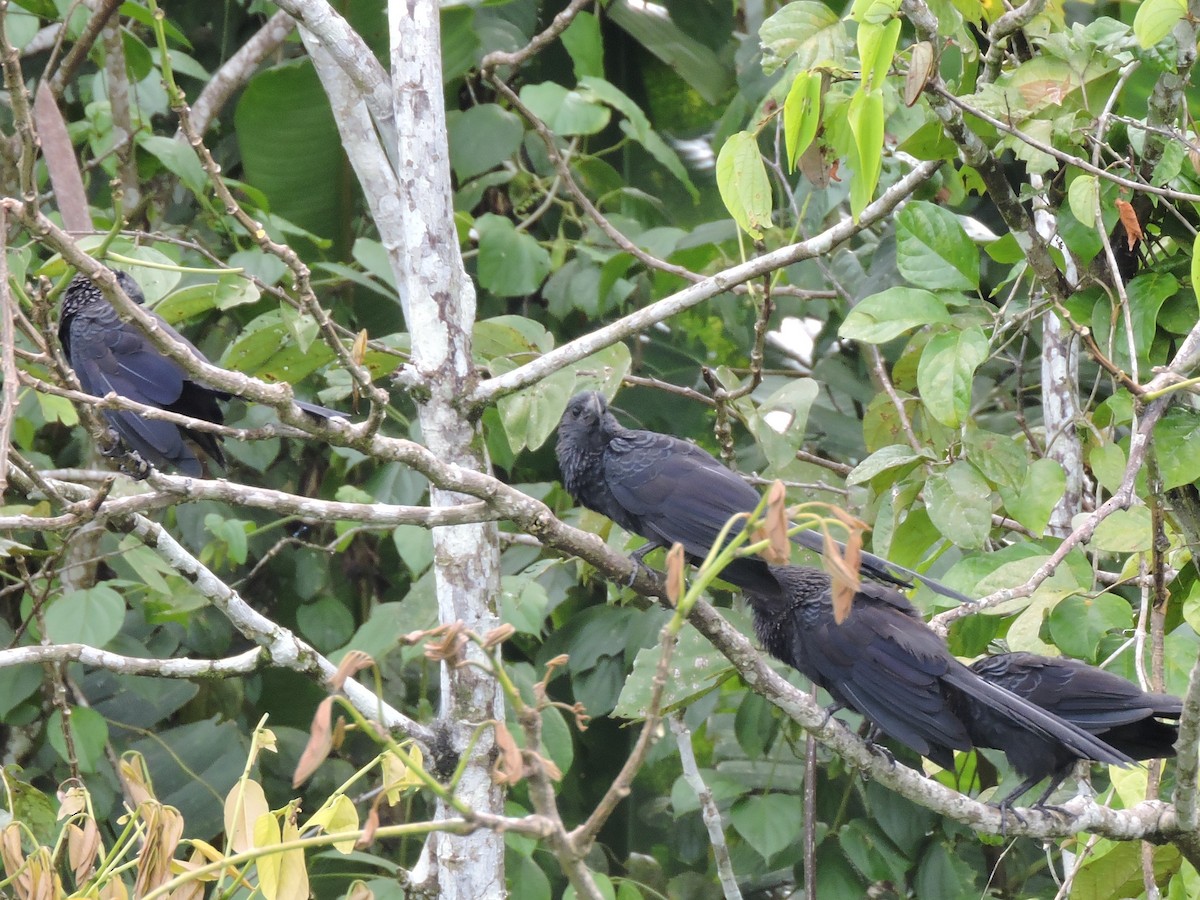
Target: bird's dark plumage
(1115, 709)
(885, 663)
(110, 355)
(668, 491)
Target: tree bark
(440, 311)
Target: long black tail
(1033, 718)
(320, 412)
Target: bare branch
(492, 389)
(540, 41)
(236, 71)
(242, 664)
(708, 809)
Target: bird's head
(586, 425)
(83, 292)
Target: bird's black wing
(887, 666)
(110, 355)
(1092, 698)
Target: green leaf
(177, 157)
(811, 32)
(743, 183)
(872, 853)
(933, 250)
(523, 604)
(1084, 198)
(225, 293)
(91, 616)
(696, 667)
(415, 546)
(893, 456)
(325, 623)
(1040, 492)
(1177, 443)
(801, 115)
(89, 735)
(291, 150)
(693, 61)
(582, 40)
(946, 371)
(564, 112)
(1196, 267)
(481, 138)
(1155, 19)
(768, 822)
(960, 505)
(944, 874)
(18, 683)
(1002, 459)
(531, 415)
(637, 126)
(779, 440)
(231, 533)
(866, 119)
(888, 314)
(876, 49)
(511, 263)
(1124, 531)
(1078, 623)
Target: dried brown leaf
(498, 635)
(370, 826)
(72, 799)
(13, 857)
(244, 804)
(136, 778)
(320, 742)
(779, 551)
(449, 647)
(675, 566)
(352, 663)
(61, 162)
(920, 67)
(509, 767)
(82, 844)
(1133, 228)
(163, 829)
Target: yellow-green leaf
(1084, 199)
(1155, 19)
(1196, 267)
(865, 116)
(337, 816)
(743, 183)
(801, 115)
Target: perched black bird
(668, 490)
(1102, 703)
(110, 355)
(884, 662)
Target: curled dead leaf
(498, 635)
(920, 67)
(1133, 228)
(779, 550)
(320, 742)
(675, 565)
(82, 844)
(352, 663)
(509, 767)
(450, 646)
(370, 826)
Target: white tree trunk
(440, 311)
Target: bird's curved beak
(596, 404)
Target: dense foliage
(956, 256)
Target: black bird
(110, 355)
(668, 490)
(884, 662)
(1102, 703)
